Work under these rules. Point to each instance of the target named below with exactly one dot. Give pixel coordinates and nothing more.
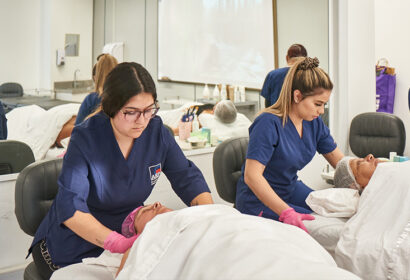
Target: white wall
(71, 17)
(20, 45)
(353, 65)
(31, 32)
(392, 24)
(303, 22)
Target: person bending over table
(282, 140)
(112, 164)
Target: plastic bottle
(243, 96)
(205, 92)
(223, 92)
(236, 95)
(216, 93)
(195, 124)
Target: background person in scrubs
(274, 80)
(105, 63)
(282, 140)
(112, 164)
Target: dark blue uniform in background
(89, 104)
(97, 179)
(284, 153)
(273, 85)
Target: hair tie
(309, 63)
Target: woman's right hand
(117, 243)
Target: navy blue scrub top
(283, 152)
(273, 84)
(97, 179)
(89, 104)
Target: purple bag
(385, 89)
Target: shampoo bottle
(205, 92)
(223, 92)
(216, 93)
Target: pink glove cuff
(117, 243)
(286, 213)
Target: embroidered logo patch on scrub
(154, 172)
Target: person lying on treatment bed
(355, 173)
(218, 242)
(352, 176)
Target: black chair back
(11, 90)
(378, 134)
(14, 156)
(36, 188)
(228, 159)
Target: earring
(296, 101)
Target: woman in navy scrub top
(111, 166)
(282, 140)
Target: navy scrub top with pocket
(97, 179)
(283, 152)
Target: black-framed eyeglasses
(132, 115)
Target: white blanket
(334, 202)
(375, 243)
(217, 242)
(37, 127)
(223, 131)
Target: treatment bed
(374, 243)
(215, 242)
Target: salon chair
(36, 188)
(11, 90)
(14, 156)
(378, 134)
(227, 162)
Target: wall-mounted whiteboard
(215, 41)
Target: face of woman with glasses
(135, 115)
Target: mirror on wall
(72, 42)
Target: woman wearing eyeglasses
(114, 159)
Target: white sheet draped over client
(375, 242)
(218, 242)
(37, 127)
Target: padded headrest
(378, 134)
(36, 188)
(228, 159)
(11, 90)
(14, 156)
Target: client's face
(147, 213)
(363, 168)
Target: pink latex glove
(291, 217)
(117, 243)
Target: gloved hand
(291, 217)
(117, 243)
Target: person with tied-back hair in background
(282, 140)
(274, 80)
(105, 63)
(114, 159)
